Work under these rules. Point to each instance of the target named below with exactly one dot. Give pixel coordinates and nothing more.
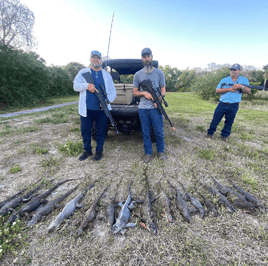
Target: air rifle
(249, 86)
(104, 101)
(148, 86)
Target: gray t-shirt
(158, 80)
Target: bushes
(206, 86)
(61, 83)
(25, 80)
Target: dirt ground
(229, 239)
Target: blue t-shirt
(232, 97)
(93, 102)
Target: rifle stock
(104, 101)
(148, 86)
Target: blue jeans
(152, 117)
(101, 121)
(230, 112)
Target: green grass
(207, 241)
(187, 103)
(8, 130)
(206, 154)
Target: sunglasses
(96, 52)
(146, 55)
(95, 56)
(233, 69)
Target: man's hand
(91, 88)
(236, 87)
(149, 96)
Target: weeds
(41, 151)
(43, 120)
(71, 148)
(11, 238)
(15, 169)
(206, 154)
(200, 128)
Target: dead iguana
(146, 210)
(194, 202)
(236, 198)
(182, 205)
(90, 214)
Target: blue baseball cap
(235, 67)
(146, 51)
(96, 53)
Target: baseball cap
(146, 51)
(96, 53)
(235, 67)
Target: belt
(227, 103)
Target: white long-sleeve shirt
(81, 85)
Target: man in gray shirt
(149, 114)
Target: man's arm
(234, 88)
(225, 90)
(243, 88)
(145, 94)
(80, 83)
(163, 91)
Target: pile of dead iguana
(221, 195)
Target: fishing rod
(109, 43)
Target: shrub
(206, 86)
(24, 78)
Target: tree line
(26, 80)
(204, 81)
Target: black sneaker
(98, 155)
(85, 155)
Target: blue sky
(182, 33)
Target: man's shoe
(98, 155)
(85, 155)
(209, 136)
(161, 156)
(225, 139)
(147, 158)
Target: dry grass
(230, 239)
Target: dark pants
(152, 117)
(230, 112)
(101, 121)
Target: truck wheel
(152, 135)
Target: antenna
(109, 43)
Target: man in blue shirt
(229, 101)
(89, 105)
